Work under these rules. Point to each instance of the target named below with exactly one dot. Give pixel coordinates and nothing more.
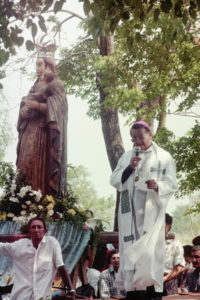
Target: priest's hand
(134, 162)
(152, 184)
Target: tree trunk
(109, 119)
(162, 115)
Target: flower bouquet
(20, 203)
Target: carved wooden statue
(42, 127)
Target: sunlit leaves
(109, 13)
(58, 6)
(48, 4)
(4, 55)
(156, 14)
(33, 30)
(42, 23)
(185, 151)
(77, 69)
(79, 180)
(86, 6)
(5, 132)
(187, 156)
(29, 45)
(166, 6)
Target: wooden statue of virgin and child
(42, 127)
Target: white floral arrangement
(20, 203)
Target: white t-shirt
(34, 269)
(173, 255)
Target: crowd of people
(181, 269)
(38, 262)
(150, 262)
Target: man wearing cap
(146, 178)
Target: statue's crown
(46, 46)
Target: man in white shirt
(35, 262)
(146, 178)
(174, 260)
(107, 287)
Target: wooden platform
(183, 297)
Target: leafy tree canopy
(109, 13)
(157, 60)
(185, 151)
(77, 68)
(20, 14)
(185, 227)
(79, 181)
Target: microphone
(137, 150)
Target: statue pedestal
(109, 238)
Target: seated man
(192, 283)
(188, 265)
(107, 277)
(174, 260)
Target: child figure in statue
(42, 91)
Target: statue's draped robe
(41, 150)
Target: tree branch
(185, 115)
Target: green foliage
(6, 170)
(108, 14)
(187, 156)
(6, 132)
(82, 187)
(165, 139)
(185, 226)
(77, 69)
(194, 209)
(185, 151)
(150, 61)
(14, 15)
(162, 61)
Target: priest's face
(141, 137)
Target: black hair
(111, 254)
(90, 211)
(33, 219)
(168, 219)
(196, 240)
(187, 250)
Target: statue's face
(40, 67)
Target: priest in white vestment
(146, 178)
